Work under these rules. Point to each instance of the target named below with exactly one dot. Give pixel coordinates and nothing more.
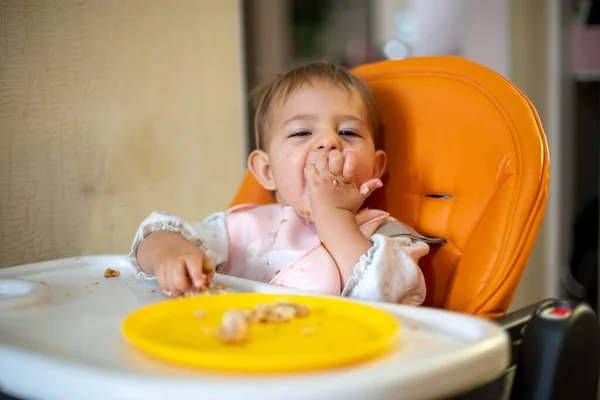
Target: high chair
(468, 162)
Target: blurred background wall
(110, 109)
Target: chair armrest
(515, 322)
(522, 315)
(555, 349)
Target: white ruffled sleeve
(210, 235)
(389, 272)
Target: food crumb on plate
(308, 330)
(236, 324)
(235, 328)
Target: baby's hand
(331, 186)
(181, 265)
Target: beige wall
(110, 109)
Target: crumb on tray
(111, 273)
(213, 288)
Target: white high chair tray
(60, 339)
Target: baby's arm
(340, 235)
(389, 270)
(209, 235)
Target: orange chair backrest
(468, 162)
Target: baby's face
(315, 120)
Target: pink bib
(273, 244)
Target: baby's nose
(328, 142)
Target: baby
(318, 152)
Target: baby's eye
(300, 133)
(346, 132)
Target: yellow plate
(336, 333)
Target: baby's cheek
(290, 181)
(363, 172)
(283, 184)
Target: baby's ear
(380, 163)
(260, 166)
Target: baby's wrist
(164, 237)
(325, 209)
(334, 219)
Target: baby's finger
(167, 285)
(162, 279)
(335, 162)
(208, 268)
(322, 165)
(369, 187)
(180, 281)
(195, 269)
(349, 165)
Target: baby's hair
(283, 85)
